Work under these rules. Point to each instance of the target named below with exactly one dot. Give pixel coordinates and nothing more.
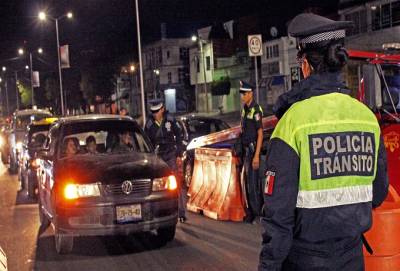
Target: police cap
(156, 105)
(245, 87)
(311, 29)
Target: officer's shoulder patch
(149, 123)
(269, 182)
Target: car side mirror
(44, 154)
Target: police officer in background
(166, 135)
(326, 162)
(251, 140)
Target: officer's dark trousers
(331, 258)
(253, 185)
(170, 159)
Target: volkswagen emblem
(127, 187)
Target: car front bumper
(101, 219)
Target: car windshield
(23, 121)
(37, 134)
(200, 127)
(96, 137)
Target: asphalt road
(200, 244)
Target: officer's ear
(306, 68)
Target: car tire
(21, 179)
(31, 188)
(64, 242)
(4, 158)
(166, 234)
(12, 167)
(188, 173)
(44, 220)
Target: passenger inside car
(91, 145)
(71, 146)
(125, 142)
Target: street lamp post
(140, 62)
(203, 57)
(43, 16)
(21, 52)
(16, 88)
(6, 88)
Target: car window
(204, 127)
(22, 122)
(108, 136)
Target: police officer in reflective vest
(251, 140)
(166, 135)
(326, 162)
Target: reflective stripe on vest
(337, 140)
(250, 115)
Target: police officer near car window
(251, 139)
(166, 135)
(326, 162)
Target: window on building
(167, 54)
(386, 15)
(197, 64)
(183, 53)
(169, 78)
(275, 50)
(159, 52)
(359, 19)
(273, 68)
(181, 75)
(396, 13)
(266, 52)
(208, 63)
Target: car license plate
(128, 213)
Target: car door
(47, 170)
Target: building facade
(166, 73)
(279, 69)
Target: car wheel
(12, 168)
(31, 187)
(188, 173)
(4, 158)
(166, 234)
(64, 242)
(44, 220)
(21, 178)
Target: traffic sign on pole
(255, 45)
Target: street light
(40, 51)
(140, 61)
(4, 69)
(200, 42)
(20, 51)
(132, 68)
(43, 16)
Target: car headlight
(74, 191)
(18, 146)
(165, 183)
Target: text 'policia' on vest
(346, 153)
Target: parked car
(19, 123)
(195, 126)
(116, 186)
(4, 146)
(28, 163)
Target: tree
(25, 93)
(52, 94)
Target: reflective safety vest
(337, 139)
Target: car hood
(110, 168)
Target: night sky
(103, 32)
